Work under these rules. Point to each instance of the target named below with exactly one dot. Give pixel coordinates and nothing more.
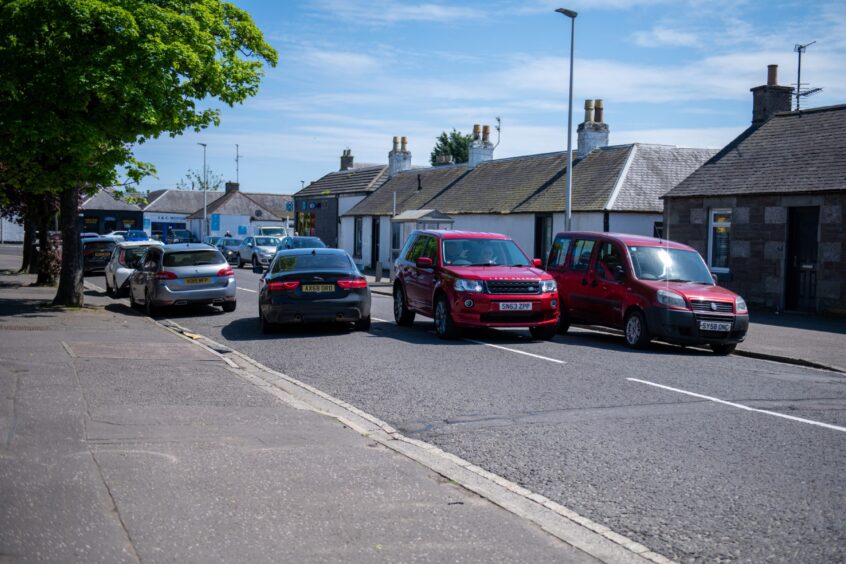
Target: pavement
(794, 338)
(128, 439)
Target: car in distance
(649, 288)
(182, 274)
(300, 242)
(212, 240)
(136, 235)
(116, 235)
(257, 250)
(96, 252)
(122, 263)
(180, 236)
(229, 246)
(313, 285)
(472, 279)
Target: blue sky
(354, 73)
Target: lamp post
(205, 195)
(569, 158)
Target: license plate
(515, 306)
(102, 254)
(714, 326)
(318, 288)
(197, 280)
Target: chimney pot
(231, 187)
(772, 75)
(396, 143)
(346, 159)
(404, 144)
(588, 111)
(486, 133)
(476, 131)
(598, 117)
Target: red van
(650, 288)
(471, 279)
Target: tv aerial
(800, 93)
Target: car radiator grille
(513, 286)
(710, 306)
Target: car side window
(417, 249)
(150, 262)
(558, 253)
(430, 248)
(248, 241)
(582, 250)
(608, 260)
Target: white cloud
(381, 12)
(662, 37)
(339, 61)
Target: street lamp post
(205, 196)
(569, 158)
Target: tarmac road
(696, 456)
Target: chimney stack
(481, 148)
(770, 98)
(346, 160)
(399, 159)
(231, 187)
(593, 132)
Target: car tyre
(544, 332)
(149, 308)
(722, 349)
(636, 332)
(266, 326)
(229, 307)
(109, 290)
(444, 326)
(132, 303)
(563, 325)
(363, 324)
(254, 261)
(402, 315)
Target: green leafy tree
(454, 144)
(83, 81)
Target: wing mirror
(715, 277)
(424, 262)
(537, 262)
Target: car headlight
(740, 305)
(672, 299)
(548, 286)
(463, 285)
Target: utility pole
(237, 158)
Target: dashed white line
(248, 290)
(555, 360)
(741, 406)
(381, 320)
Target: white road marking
(96, 287)
(248, 290)
(382, 320)
(741, 406)
(555, 360)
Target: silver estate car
(183, 273)
(257, 250)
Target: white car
(121, 265)
(116, 235)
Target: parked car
(96, 252)
(229, 246)
(136, 235)
(122, 263)
(180, 236)
(319, 285)
(88, 235)
(257, 250)
(470, 279)
(300, 242)
(212, 240)
(650, 288)
(116, 235)
(182, 274)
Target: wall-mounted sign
(215, 222)
(242, 230)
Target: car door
(426, 276)
(246, 251)
(413, 289)
(609, 284)
(575, 289)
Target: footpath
(794, 338)
(125, 440)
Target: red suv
(470, 279)
(650, 288)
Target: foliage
(194, 181)
(454, 144)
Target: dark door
(543, 236)
(802, 241)
(374, 241)
(577, 283)
(609, 267)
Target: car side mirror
(715, 277)
(424, 262)
(537, 262)
(619, 273)
(258, 269)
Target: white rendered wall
(634, 223)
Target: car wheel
(109, 290)
(363, 324)
(266, 326)
(544, 332)
(254, 261)
(240, 262)
(149, 308)
(637, 334)
(402, 315)
(132, 303)
(444, 326)
(229, 307)
(563, 325)
(723, 350)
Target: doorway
(543, 236)
(374, 241)
(802, 246)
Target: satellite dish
(258, 213)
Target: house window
(357, 238)
(719, 240)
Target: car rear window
(307, 242)
(130, 255)
(267, 241)
(288, 263)
(100, 245)
(193, 258)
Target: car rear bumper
(683, 327)
(219, 294)
(347, 309)
(484, 311)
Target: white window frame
(711, 214)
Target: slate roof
(106, 200)
(792, 152)
(236, 203)
(432, 182)
(357, 180)
(178, 201)
(273, 202)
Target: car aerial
(257, 250)
(649, 288)
(300, 242)
(136, 235)
(122, 263)
(185, 273)
(180, 236)
(96, 252)
(229, 247)
(471, 279)
(313, 285)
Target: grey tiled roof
(105, 200)
(357, 180)
(236, 203)
(178, 201)
(432, 181)
(792, 152)
(273, 202)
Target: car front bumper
(484, 311)
(682, 327)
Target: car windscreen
(675, 265)
(266, 241)
(307, 243)
(232, 242)
(130, 255)
(181, 233)
(99, 245)
(483, 252)
(291, 263)
(193, 258)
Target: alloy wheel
(633, 330)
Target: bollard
(378, 271)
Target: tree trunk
(70, 292)
(45, 250)
(29, 241)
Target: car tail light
(88, 252)
(226, 271)
(349, 283)
(164, 275)
(286, 285)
